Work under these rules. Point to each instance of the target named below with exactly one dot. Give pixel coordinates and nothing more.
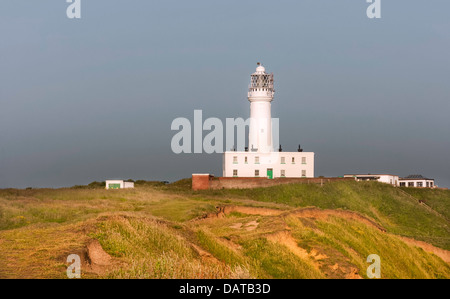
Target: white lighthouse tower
(260, 159)
(260, 95)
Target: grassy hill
(397, 209)
(170, 231)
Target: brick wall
(201, 181)
(207, 182)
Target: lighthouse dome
(260, 69)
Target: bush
(95, 185)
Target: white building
(417, 180)
(119, 184)
(382, 178)
(260, 160)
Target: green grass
(151, 231)
(121, 235)
(219, 250)
(437, 199)
(272, 261)
(394, 210)
(356, 242)
(19, 208)
(180, 210)
(153, 250)
(263, 259)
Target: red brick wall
(200, 182)
(206, 182)
(249, 183)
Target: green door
(270, 173)
(114, 186)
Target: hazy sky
(91, 99)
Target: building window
(419, 184)
(257, 173)
(431, 184)
(283, 173)
(283, 160)
(256, 160)
(411, 184)
(303, 173)
(293, 160)
(303, 160)
(403, 184)
(235, 172)
(246, 160)
(235, 160)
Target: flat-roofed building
(417, 181)
(382, 178)
(119, 184)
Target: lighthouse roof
(260, 69)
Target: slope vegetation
(169, 231)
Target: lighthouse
(260, 94)
(260, 159)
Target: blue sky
(91, 99)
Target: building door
(270, 173)
(114, 186)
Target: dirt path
(250, 211)
(313, 257)
(442, 253)
(205, 255)
(286, 239)
(349, 215)
(301, 213)
(317, 213)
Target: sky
(90, 99)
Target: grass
(153, 250)
(39, 251)
(397, 212)
(346, 243)
(180, 210)
(19, 208)
(221, 251)
(357, 241)
(437, 199)
(152, 231)
(272, 261)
